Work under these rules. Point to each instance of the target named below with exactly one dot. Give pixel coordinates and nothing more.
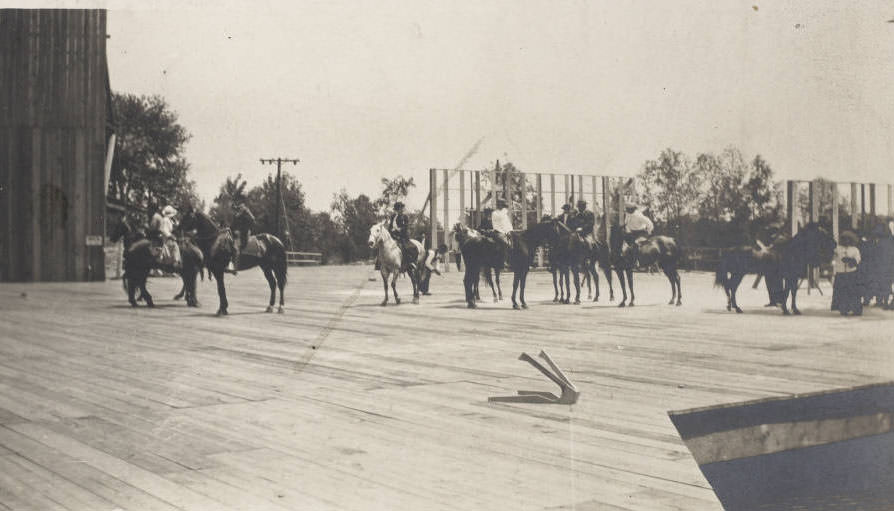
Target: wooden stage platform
(343, 404)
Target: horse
(389, 258)
(785, 261)
(265, 251)
(478, 252)
(217, 246)
(140, 258)
(660, 250)
(521, 255)
(600, 254)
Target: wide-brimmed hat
(169, 211)
(581, 202)
(566, 206)
(398, 205)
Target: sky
(370, 89)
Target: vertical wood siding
(53, 109)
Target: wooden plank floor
(343, 404)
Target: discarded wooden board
(569, 391)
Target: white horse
(388, 255)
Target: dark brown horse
(785, 261)
(217, 246)
(140, 258)
(660, 250)
(265, 251)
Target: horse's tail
(279, 256)
(720, 279)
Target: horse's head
(815, 243)
(377, 233)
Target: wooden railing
(304, 258)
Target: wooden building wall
(53, 114)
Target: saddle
(254, 247)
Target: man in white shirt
(431, 266)
(636, 225)
(501, 221)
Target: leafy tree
(670, 187)
(149, 166)
(354, 217)
(761, 192)
(393, 190)
(722, 179)
(232, 195)
(262, 200)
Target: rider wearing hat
(636, 224)
(583, 222)
(567, 215)
(398, 226)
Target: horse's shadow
(144, 306)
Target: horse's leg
(280, 273)
(673, 284)
(795, 310)
(414, 281)
(733, 283)
(587, 279)
(611, 287)
(470, 282)
(182, 290)
(268, 274)
(566, 275)
(524, 280)
(394, 276)
(499, 287)
(576, 285)
(385, 285)
(620, 273)
(515, 283)
(595, 273)
(679, 288)
(554, 271)
(144, 291)
(131, 291)
(630, 285)
(221, 291)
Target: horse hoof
(133, 304)
(281, 310)
(796, 312)
(738, 310)
(416, 300)
(397, 301)
(729, 308)
(671, 302)
(150, 305)
(785, 312)
(496, 300)
(384, 303)
(471, 305)
(622, 304)
(177, 297)
(515, 306)
(269, 308)
(679, 303)
(524, 306)
(577, 302)
(221, 312)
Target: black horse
(660, 250)
(265, 251)
(478, 252)
(140, 258)
(600, 254)
(785, 261)
(217, 246)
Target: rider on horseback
(502, 222)
(636, 225)
(583, 222)
(567, 216)
(398, 226)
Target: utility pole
(280, 209)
